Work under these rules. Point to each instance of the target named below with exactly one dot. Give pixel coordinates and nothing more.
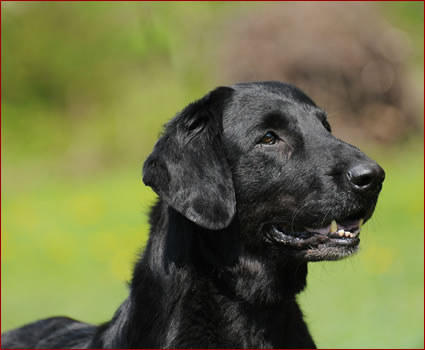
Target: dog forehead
(255, 105)
(270, 89)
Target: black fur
(228, 247)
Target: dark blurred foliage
(61, 54)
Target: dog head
(265, 153)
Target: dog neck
(243, 273)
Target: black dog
(252, 185)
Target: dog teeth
(334, 226)
(341, 233)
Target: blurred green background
(86, 88)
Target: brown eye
(269, 139)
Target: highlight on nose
(366, 176)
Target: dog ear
(188, 167)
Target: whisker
(324, 217)
(295, 215)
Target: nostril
(365, 176)
(360, 180)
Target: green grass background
(86, 88)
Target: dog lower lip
(300, 235)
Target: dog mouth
(330, 242)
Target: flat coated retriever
(252, 186)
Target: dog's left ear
(188, 167)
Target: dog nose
(366, 176)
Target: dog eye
(269, 138)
